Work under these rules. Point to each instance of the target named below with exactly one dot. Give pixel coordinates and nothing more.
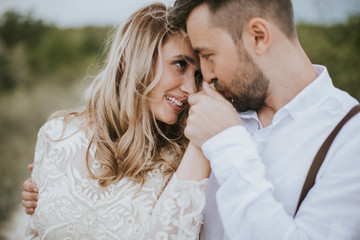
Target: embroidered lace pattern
(73, 206)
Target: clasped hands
(210, 113)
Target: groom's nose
(207, 72)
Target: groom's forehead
(181, 11)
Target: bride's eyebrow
(187, 58)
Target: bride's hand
(194, 165)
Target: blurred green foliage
(42, 67)
(30, 49)
(16, 28)
(338, 48)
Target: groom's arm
(246, 204)
(248, 208)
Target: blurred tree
(9, 28)
(6, 78)
(93, 39)
(15, 28)
(57, 48)
(14, 69)
(338, 48)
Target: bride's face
(180, 66)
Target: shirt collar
(312, 95)
(248, 115)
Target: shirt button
(257, 138)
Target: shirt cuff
(235, 135)
(232, 149)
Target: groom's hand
(210, 113)
(29, 194)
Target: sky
(78, 13)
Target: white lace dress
(73, 206)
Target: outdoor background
(46, 52)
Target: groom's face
(226, 63)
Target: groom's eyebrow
(198, 50)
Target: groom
(285, 107)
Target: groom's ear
(257, 36)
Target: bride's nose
(188, 86)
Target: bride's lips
(176, 103)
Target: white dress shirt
(258, 173)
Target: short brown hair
(234, 14)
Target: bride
(118, 168)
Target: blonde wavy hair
(129, 141)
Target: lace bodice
(73, 206)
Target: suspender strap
(321, 154)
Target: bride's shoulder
(60, 129)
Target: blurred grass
(42, 70)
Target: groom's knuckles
(29, 211)
(29, 196)
(29, 204)
(28, 185)
(197, 98)
(192, 99)
(213, 93)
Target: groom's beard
(248, 89)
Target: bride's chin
(169, 121)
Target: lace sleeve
(39, 176)
(178, 213)
(48, 155)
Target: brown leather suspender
(321, 154)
